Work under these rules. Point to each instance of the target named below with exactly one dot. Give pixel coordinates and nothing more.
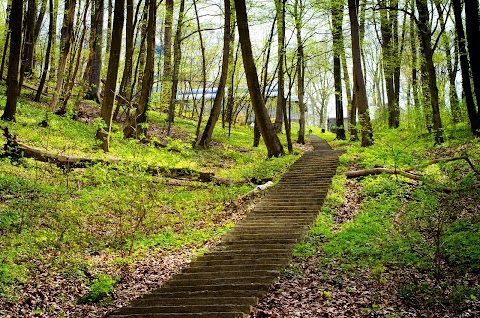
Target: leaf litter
(315, 287)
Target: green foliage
(335, 197)
(318, 234)
(404, 227)
(383, 185)
(460, 244)
(119, 210)
(100, 290)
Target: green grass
(399, 222)
(53, 216)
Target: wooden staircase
(228, 281)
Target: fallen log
(16, 150)
(447, 159)
(374, 171)
(44, 92)
(407, 173)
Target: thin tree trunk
(39, 20)
(47, 54)
(388, 25)
(400, 44)
(413, 47)
(96, 40)
(425, 37)
(265, 86)
(140, 65)
(4, 55)
(353, 106)
(177, 59)
(280, 9)
(134, 127)
(453, 98)
(109, 26)
(126, 84)
(28, 44)
(230, 96)
(112, 73)
(68, 91)
(217, 103)
(53, 56)
(298, 13)
(359, 81)
(6, 43)
(337, 30)
(204, 73)
(65, 43)
(274, 147)
(287, 115)
(473, 115)
(166, 94)
(13, 76)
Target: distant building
(194, 95)
(332, 123)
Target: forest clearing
(141, 138)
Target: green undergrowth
(64, 219)
(404, 226)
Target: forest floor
(372, 252)
(52, 294)
(311, 287)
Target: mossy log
(15, 149)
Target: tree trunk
(298, 13)
(65, 43)
(68, 91)
(13, 80)
(204, 73)
(39, 20)
(231, 90)
(217, 103)
(425, 37)
(112, 73)
(166, 94)
(274, 147)
(413, 47)
(53, 56)
(452, 74)
(473, 35)
(126, 83)
(359, 81)
(134, 127)
(177, 59)
(473, 115)
(96, 40)
(6, 43)
(280, 8)
(47, 54)
(28, 42)
(287, 114)
(388, 26)
(140, 65)
(109, 26)
(337, 30)
(265, 86)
